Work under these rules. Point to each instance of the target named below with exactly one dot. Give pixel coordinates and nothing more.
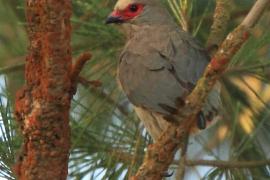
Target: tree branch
(182, 163)
(77, 68)
(255, 13)
(79, 64)
(101, 93)
(12, 68)
(160, 155)
(228, 164)
(221, 17)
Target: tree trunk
(42, 106)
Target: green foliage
(108, 140)
(12, 37)
(9, 139)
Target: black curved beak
(114, 19)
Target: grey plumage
(159, 66)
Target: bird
(159, 65)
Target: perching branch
(218, 30)
(160, 155)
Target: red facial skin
(127, 13)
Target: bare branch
(79, 64)
(255, 13)
(228, 164)
(182, 163)
(12, 68)
(76, 70)
(91, 85)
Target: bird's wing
(150, 85)
(161, 74)
(186, 55)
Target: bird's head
(137, 12)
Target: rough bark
(221, 20)
(42, 106)
(220, 24)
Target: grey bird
(159, 65)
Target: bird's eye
(133, 7)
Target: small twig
(92, 85)
(78, 66)
(221, 20)
(255, 13)
(228, 164)
(182, 163)
(89, 83)
(76, 70)
(136, 155)
(12, 68)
